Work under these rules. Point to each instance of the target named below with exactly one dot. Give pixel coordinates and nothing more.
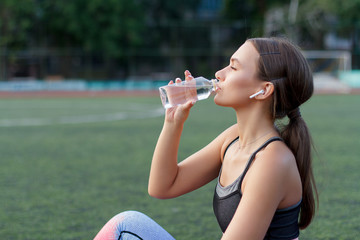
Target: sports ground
(68, 164)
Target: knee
(127, 216)
(125, 221)
(132, 213)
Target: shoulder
(231, 131)
(276, 155)
(273, 166)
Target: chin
(216, 100)
(219, 102)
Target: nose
(220, 75)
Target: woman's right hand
(179, 114)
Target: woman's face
(238, 80)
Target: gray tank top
(284, 224)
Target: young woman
(265, 187)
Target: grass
(64, 181)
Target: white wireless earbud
(258, 93)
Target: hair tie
(294, 114)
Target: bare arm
(164, 166)
(168, 178)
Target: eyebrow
(235, 60)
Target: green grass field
(68, 165)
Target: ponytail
(297, 137)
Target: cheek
(241, 86)
(235, 91)
(233, 99)
(232, 96)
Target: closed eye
(234, 61)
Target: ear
(268, 88)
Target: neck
(253, 127)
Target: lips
(218, 87)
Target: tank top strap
(252, 157)
(231, 143)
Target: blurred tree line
(119, 39)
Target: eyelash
(233, 68)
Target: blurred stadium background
(125, 45)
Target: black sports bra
(284, 224)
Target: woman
(265, 186)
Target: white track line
(25, 122)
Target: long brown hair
(283, 64)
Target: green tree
(251, 11)
(109, 29)
(16, 25)
(16, 22)
(347, 12)
(98, 26)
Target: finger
(178, 80)
(171, 82)
(188, 75)
(188, 105)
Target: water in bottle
(179, 93)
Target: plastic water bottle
(179, 93)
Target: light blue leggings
(132, 225)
